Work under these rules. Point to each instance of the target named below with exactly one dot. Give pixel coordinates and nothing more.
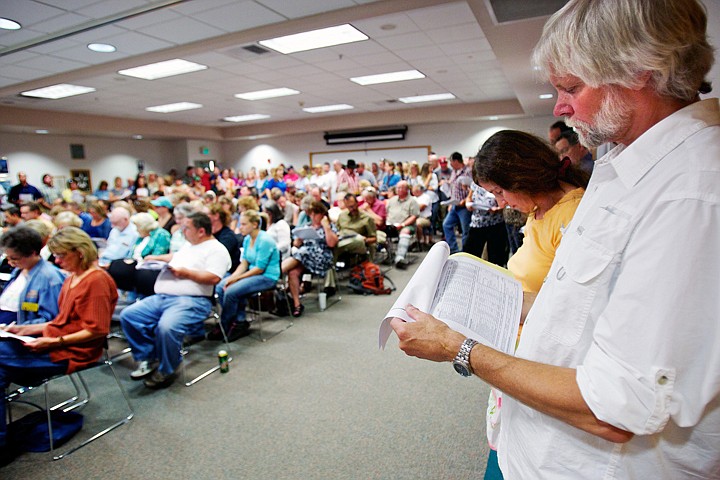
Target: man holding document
(617, 374)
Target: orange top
(89, 305)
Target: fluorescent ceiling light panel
(174, 107)
(388, 77)
(427, 98)
(328, 108)
(101, 47)
(60, 90)
(263, 94)
(7, 24)
(164, 69)
(246, 118)
(324, 37)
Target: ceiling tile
(136, 43)
(150, 18)
(238, 16)
(304, 8)
(28, 13)
(50, 64)
(407, 40)
(183, 30)
(386, 26)
(441, 16)
(110, 7)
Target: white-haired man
(617, 374)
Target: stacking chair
(214, 317)
(262, 302)
(78, 401)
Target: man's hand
(427, 337)
(179, 272)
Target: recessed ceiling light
(101, 47)
(328, 108)
(263, 94)
(246, 118)
(174, 107)
(42, 132)
(388, 26)
(324, 37)
(388, 77)
(60, 90)
(545, 96)
(164, 69)
(137, 137)
(427, 98)
(7, 24)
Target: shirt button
(560, 273)
(662, 380)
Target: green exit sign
(204, 151)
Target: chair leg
(257, 314)
(210, 371)
(123, 421)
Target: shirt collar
(633, 162)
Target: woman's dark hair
(317, 207)
(520, 162)
(23, 240)
(273, 211)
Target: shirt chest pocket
(583, 270)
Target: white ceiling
(458, 46)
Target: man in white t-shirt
(156, 325)
(617, 373)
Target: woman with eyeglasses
(31, 295)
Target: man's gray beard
(610, 119)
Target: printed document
(476, 298)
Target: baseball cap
(162, 202)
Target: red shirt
(89, 305)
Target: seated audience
(31, 295)
(219, 219)
(152, 240)
(121, 239)
(314, 254)
(99, 225)
(156, 325)
(163, 207)
(30, 211)
(487, 226)
(278, 228)
(75, 338)
(357, 230)
(402, 212)
(259, 270)
(177, 237)
(423, 224)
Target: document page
(22, 338)
(479, 301)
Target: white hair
(144, 222)
(615, 42)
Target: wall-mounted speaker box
(77, 151)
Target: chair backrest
(123, 272)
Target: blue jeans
(20, 365)
(233, 300)
(156, 325)
(457, 216)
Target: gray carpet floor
(318, 401)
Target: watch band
(461, 363)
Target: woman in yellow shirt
(524, 173)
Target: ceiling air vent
(506, 11)
(256, 49)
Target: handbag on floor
(30, 433)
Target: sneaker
(145, 368)
(401, 263)
(238, 330)
(159, 380)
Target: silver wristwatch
(462, 359)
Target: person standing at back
(617, 374)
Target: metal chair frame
(215, 316)
(77, 401)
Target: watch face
(461, 369)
